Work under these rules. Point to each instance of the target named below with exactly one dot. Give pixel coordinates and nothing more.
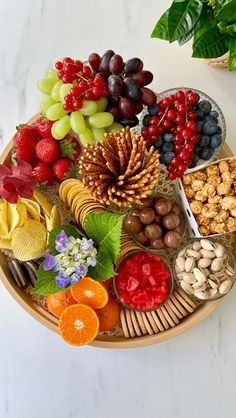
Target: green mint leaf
(161, 29)
(69, 230)
(183, 15)
(105, 228)
(225, 10)
(45, 284)
(232, 54)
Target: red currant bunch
(174, 120)
(68, 69)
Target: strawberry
(62, 168)
(43, 173)
(25, 142)
(70, 148)
(48, 150)
(43, 127)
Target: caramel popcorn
(196, 207)
(223, 166)
(212, 171)
(187, 179)
(209, 210)
(223, 188)
(202, 197)
(197, 185)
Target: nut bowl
(204, 269)
(170, 280)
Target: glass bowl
(170, 281)
(183, 223)
(230, 259)
(221, 121)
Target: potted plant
(210, 23)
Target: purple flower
(92, 261)
(81, 270)
(49, 262)
(61, 242)
(74, 278)
(62, 279)
(86, 245)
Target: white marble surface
(192, 375)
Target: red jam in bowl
(143, 281)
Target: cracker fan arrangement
(117, 220)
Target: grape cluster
(126, 85)
(183, 130)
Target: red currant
(178, 147)
(187, 133)
(88, 95)
(172, 176)
(75, 91)
(192, 115)
(194, 139)
(153, 130)
(180, 95)
(182, 109)
(86, 71)
(59, 65)
(78, 103)
(154, 121)
(166, 124)
(171, 114)
(178, 139)
(145, 132)
(185, 154)
(189, 146)
(164, 103)
(182, 168)
(176, 161)
(78, 65)
(68, 60)
(192, 125)
(192, 98)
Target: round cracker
(129, 323)
(141, 322)
(167, 316)
(178, 305)
(146, 323)
(157, 321)
(152, 322)
(162, 318)
(171, 313)
(135, 324)
(124, 324)
(183, 302)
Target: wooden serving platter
(192, 317)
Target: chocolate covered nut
(135, 212)
(141, 238)
(147, 216)
(171, 221)
(146, 203)
(153, 231)
(176, 209)
(133, 224)
(157, 244)
(158, 219)
(163, 206)
(172, 239)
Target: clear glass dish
(221, 120)
(171, 280)
(231, 261)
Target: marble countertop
(191, 375)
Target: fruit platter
(118, 206)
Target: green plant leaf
(211, 44)
(229, 29)
(206, 19)
(225, 10)
(182, 17)
(104, 268)
(104, 228)
(45, 283)
(161, 29)
(69, 230)
(232, 54)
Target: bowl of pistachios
(205, 269)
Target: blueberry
(206, 153)
(198, 149)
(168, 137)
(152, 110)
(146, 120)
(200, 124)
(205, 106)
(200, 115)
(204, 141)
(194, 161)
(210, 127)
(209, 117)
(216, 140)
(167, 157)
(214, 114)
(219, 130)
(167, 146)
(158, 143)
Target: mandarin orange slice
(90, 292)
(58, 302)
(78, 324)
(109, 316)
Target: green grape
(87, 122)
(101, 120)
(89, 108)
(77, 122)
(98, 133)
(55, 93)
(101, 104)
(45, 103)
(86, 137)
(61, 127)
(114, 127)
(45, 85)
(52, 74)
(55, 112)
(64, 90)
